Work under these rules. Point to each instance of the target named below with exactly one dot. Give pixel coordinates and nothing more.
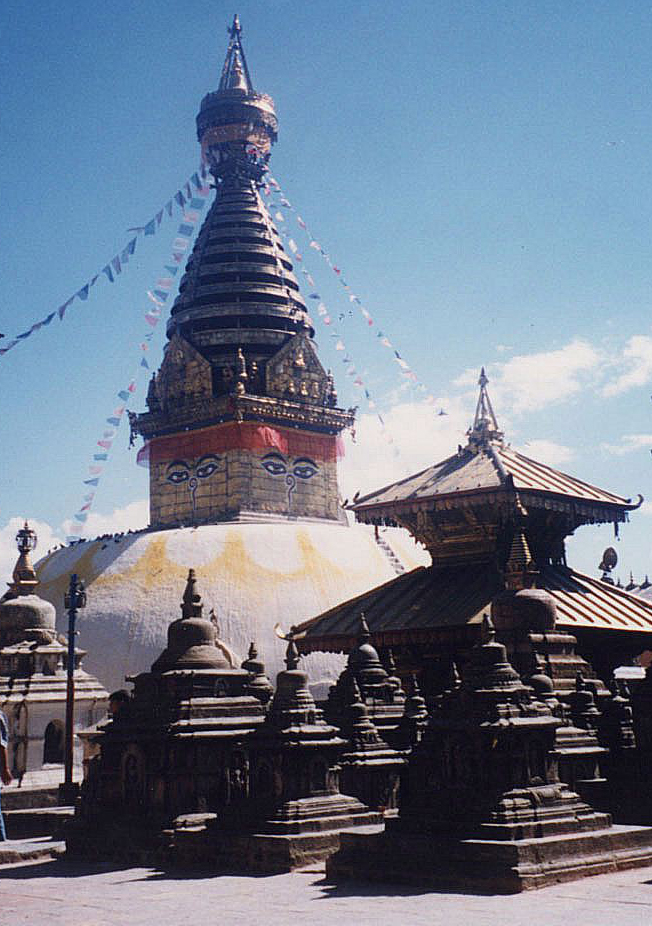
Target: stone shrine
(177, 749)
(482, 807)
(33, 670)
(295, 811)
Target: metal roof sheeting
(488, 467)
(430, 598)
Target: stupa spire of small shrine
(24, 578)
(485, 426)
(191, 606)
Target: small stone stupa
(33, 660)
(175, 756)
(482, 807)
(295, 811)
(381, 693)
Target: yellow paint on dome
(233, 561)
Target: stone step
(25, 850)
(14, 798)
(36, 821)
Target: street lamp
(73, 600)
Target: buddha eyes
(302, 468)
(206, 469)
(274, 467)
(177, 476)
(179, 471)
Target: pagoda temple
(494, 522)
(242, 435)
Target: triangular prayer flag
(95, 470)
(46, 321)
(150, 295)
(185, 229)
(168, 207)
(196, 203)
(124, 395)
(150, 228)
(91, 482)
(159, 217)
(114, 421)
(129, 249)
(171, 269)
(132, 386)
(180, 198)
(188, 191)
(109, 272)
(105, 443)
(83, 292)
(196, 181)
(180, 244)
(314, 296)
(144, 363)
(100, 456)
(119, 411)
(61, 311)
(115, 263)
(300, 222)
(80, 517)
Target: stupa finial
(191, 606)
(363, 633)
(485, 426)
(235, 73)
(24, 577)
(291, 655)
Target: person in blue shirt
(5, 774)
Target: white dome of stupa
(254, 576)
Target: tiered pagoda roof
(489, 516)
(489, 470)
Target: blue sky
(481, 172)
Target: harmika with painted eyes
(179, 471)
(300, 468)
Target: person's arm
(5, 774)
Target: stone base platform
(29, 850)
(291, 840)
(485, 866)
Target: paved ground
(59, 892)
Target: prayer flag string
(116, 265)
(329, 321)
(277, 202)
(158, 295)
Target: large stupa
(242, 433)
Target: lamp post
(74, 599)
